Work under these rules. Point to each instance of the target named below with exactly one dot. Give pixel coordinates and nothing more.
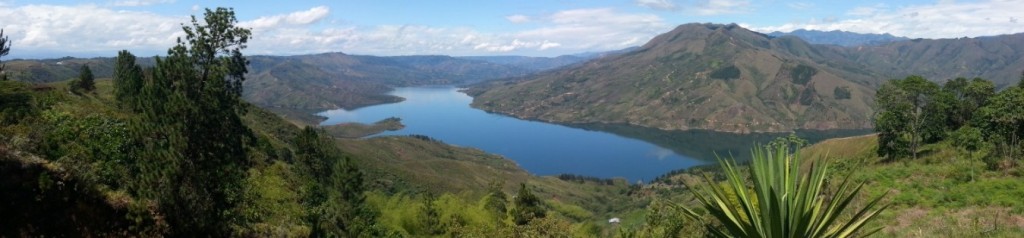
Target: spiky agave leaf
(785, 201)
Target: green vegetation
(841, 92)
(915, 112)
(85, 82)
(359, 130)
(910, 112)
(696, 77)
(786, 201)
(5, 48)
(171, 150)
(729, 72)
(802, 74)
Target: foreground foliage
(785, 202)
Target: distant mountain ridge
(841, 38)
(727, 78)
(328, 80)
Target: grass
(945, 193)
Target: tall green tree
(346, 213)
(1003, 121)
(911, 111)
(5, 48)
(86, 81)
(193, 153)
(527, 206)
(497, 200)
(127, 80)
(966, 97)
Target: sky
(54, 28)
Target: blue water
(540, 148)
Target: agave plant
(785, 202)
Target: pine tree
(127, 80)
(86, 81)
(527, 206)
(192, 149)
(5, 47)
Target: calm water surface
(550, 149)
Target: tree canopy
(910, 112)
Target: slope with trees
(172, 150)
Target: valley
(587, 122)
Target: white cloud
(139, 3)
(720, 7)
(940, 20)
(656, 4)
(87, 29)
(570, 31)
(517, 18)
(91, 30)
(292, 19)
(800, 5)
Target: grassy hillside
(945, 193)
(726, 78)
(698, 76)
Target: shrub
(730, 72)
(785, 202)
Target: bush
(802, 74)
(842, 92)
(730, 72)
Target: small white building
(614, 220)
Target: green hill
(698, 76)
(727, 78)
(997, 58)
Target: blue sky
(44, 29)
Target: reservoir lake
(605, 151)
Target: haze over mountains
(840, 38)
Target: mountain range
(326, 81)
(697, 76)
(727, 78)
(840, 38)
